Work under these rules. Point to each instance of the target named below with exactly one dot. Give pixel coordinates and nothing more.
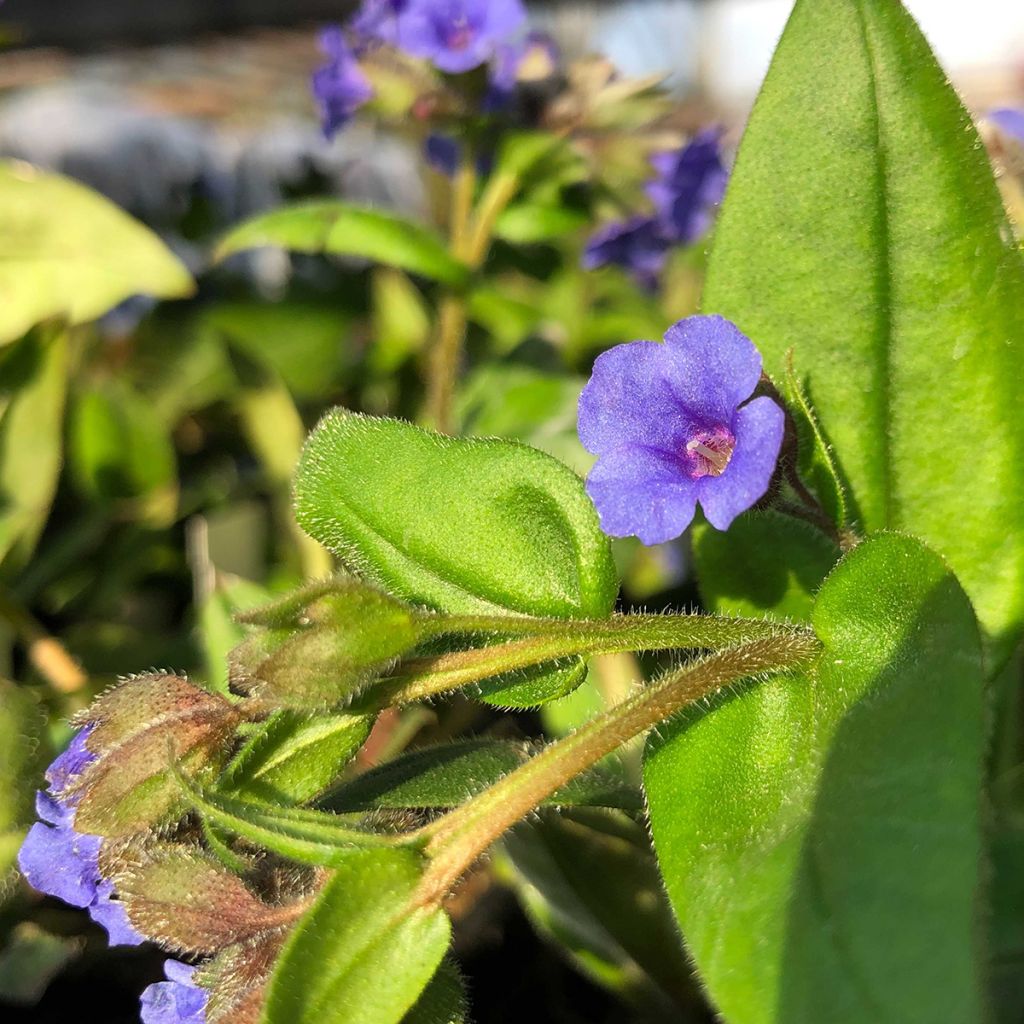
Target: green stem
(540, 640)
(458, 839)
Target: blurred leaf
(33, 387)
(31, 959)
(766, 562)
(401, 320)
(844, 869)
(365, 952)
(120, 450)
(68, 252)
(528, 223)
(449, 775)
(305, 342)
(292, 758)
(331, 226)
(879, 251)
(218, 630)
(463, 525)
(590, 884)
(271, 423)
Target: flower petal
(112, 915)
(715, 366)
(642, 491)
(758, 427)
(60, 862)
(630, 399)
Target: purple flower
(689, 183)
(669, 431)
(1009, 121)
(637, 245)
(177, 1000)
(458, 35)
(340, 87)
(443, 153)
(377, 21)
(61, 862)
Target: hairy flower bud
(139, 733)
(321, 645)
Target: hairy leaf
(863, 229)
(820, 835)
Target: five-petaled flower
(62, 862)
(668, 427)
(457, 35)
(339, 86)
(177, 1000)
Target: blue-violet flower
(668, 427)
(689, 183)
(62, 862)
(177, 1000)
(339, 86)
(638, 245)
(377, 21)
(457, 35)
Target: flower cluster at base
(688, 184)
(60, 861)
(670, 432)
(177, 1000)
(456, 36)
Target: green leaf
(291, 758)
(843, 870)
(30, 960)
(330, 226)
(365, 952)
(463, 525)
(121, 451)
(401, 320)
(33, 387)
(306, 836)
(766, 562)
(863, 229)
(449, 775)
(67, 252)
(529, 223)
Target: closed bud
(139, 734)
(321, 645)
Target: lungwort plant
(828, 748)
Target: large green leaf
(33, 387)
(862, 227)
(365, 952)
(331, 226)
(65, 251)
(464, 525)
(820, 835)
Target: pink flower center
(708, 452)
(461, 35)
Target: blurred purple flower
(177, 1000)
(458, 35)
(339, 86)
(443, 153)
(669, 431)
(637, 245)
(689, 183)
(1009, 121)
(377, 21)
(61, 862)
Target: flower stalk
(459, 838)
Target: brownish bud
(141, 731)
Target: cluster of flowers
(60, 861)
(456, 36)
(688, 184)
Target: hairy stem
(459, 838)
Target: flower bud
(321, 645)
(139, 733)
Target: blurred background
(184, 419)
